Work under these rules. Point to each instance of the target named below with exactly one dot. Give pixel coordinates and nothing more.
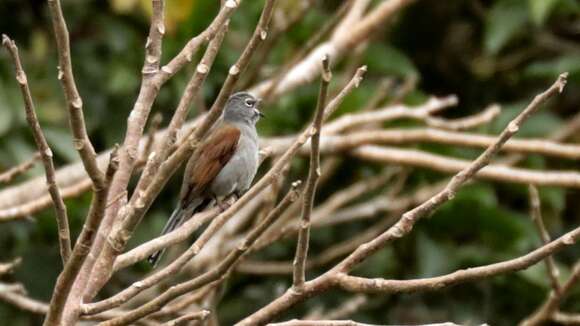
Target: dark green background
(484, 51)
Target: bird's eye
(250, 102)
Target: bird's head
(243, 106)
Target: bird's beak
(258, 112)
(258, 106)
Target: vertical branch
(536, 213)
(64, 283)
(155, 38)
(73, 99)
(313, 175)
(45, 152)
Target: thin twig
(498, 172)
(45, 153)
(7, 268)
(73, 99)
(186, 319)
(536, 214)
(9, 175)
(313, 175)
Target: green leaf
(506, 19)
(540, 10)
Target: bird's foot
(226, 202)
(223, 205)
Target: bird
(226, 164)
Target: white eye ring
(249, 102)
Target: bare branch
(184, 320)
(65, 281)
(408, 219)
(297, 322)
(44, 201)
(566, 318)
(536, 214)
(74, 101)
(150, 139)
(7, 268)
(44, 150)
(21, 301)
(470, 122)
(308, 46)
(366, 285)
(502, 173)
(389, 113)
(7, 176)
(333, 144)
(180, 234)
(313, 175)
(340, 43)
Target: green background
(484, 51)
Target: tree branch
(7, 176)
(74, 101)
(64, 283)
(313, 175)
(44, 150)
(405, 224)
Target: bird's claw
(223, 205)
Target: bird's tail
(179, 215)
(174, 221)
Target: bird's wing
(214, 153)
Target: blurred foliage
(501, 51)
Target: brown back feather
(214, 153)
